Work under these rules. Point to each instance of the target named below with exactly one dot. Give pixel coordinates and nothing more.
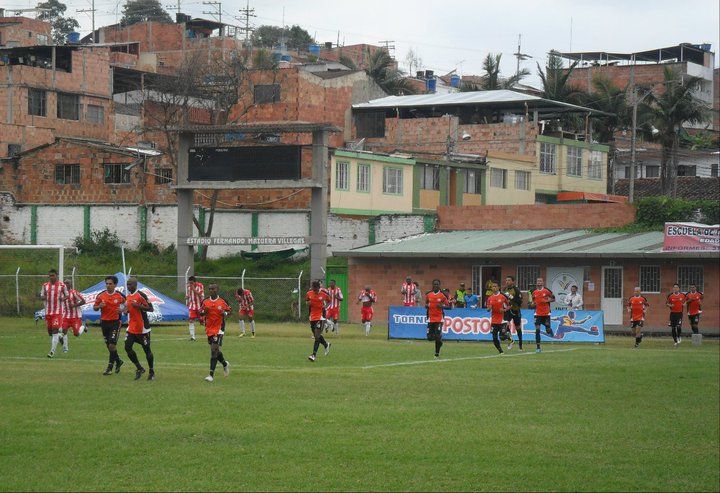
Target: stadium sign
(691, 237)
(247, 240)
(467, 324)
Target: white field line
(433, 361)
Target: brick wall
(385, 276)
(537, 216)
(646, 75)
(23, 31)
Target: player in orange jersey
(637, 307)
(435, 303)
(137, 307)
(693, 300)
(540, 299)
(317, 300)
(498, 304)
(110, 303)
(215, 309)
(676, 302)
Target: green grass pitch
(373, 415)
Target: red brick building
(23, 31)
(613, 264)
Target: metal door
(611, 301)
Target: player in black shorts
(514, 296)
(111, 304)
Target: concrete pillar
(319, 206)
(185, 253)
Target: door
(490, 273)
(611, 302)
(340, 275)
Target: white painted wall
(345, 234)
(394, 227)
(229, 224)
(59, 225)
(162, 225)
(282, 224)
(14, 221)
(123, 220)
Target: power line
(245, 15)
(92, 11)
(217, 13)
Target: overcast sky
(449, 35)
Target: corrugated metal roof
(502, 97)
(555, 243)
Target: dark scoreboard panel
(280, 162)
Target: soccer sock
(674, 333)
(537, 336)
(638, 340)
(252, 326)
(518, 331)
(54, 342)
(242, 326)
(149, 356)
(213, 363)
(438, 345)
(191, 326)
(323, 341)
(496, 340)
(679, 330)
(66, 343)
(221, 358)
(337, 327)
(695, 329)
(316, 345)
(133, 356)
(367, 328)
(114, 356)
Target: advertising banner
(560, 279)
(691, 237)
(466, 324)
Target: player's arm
(667, 302)
(78, 300)
(144, 308)
(584, 320)
(99, 303)
(339, 295)
(43, 292)
(551, 297)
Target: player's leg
(54, 338)
(130, 340)
(679, 327)
(537, 334)
(149, 356)
(548, 326)
(64, 337)
(517, 322)
(214, 350)
(638, 332)
(241, 323)
(694, 323)
(191, 325)
(251, 318)
(496, 338)
(438, 340)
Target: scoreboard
(276, 162)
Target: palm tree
(381, 68)
(610, 99)
(555, 80)
(667, 113)
(492, 80)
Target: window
(14, 149)
(267, 93)
(574, 161)
(527, 275)
(522, 180)
(595, 165)
(95, 114)
(650, 278)
(685, 170)
(430, 179)
(392, 180)
(498, 178)
(370, 124)
(547, 157)
(472, 181)
(586, 274)
(363, 178)
(116, 174)
(476, 278)
(690, 274)
(163, 176)
(713, 169)
(42, 39)
(68, 106)
(342, 176)
(37, 102)
(67, 174)
(652, 171)
(206, 140)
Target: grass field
(373, 415)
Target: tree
(611, 99)
(61, 25)
(345, 60)
(492, 80)
(382, 69)
(136, 11)
(413, 61)
(295, 38)
(667, 113)
(263, 60)
(556, 86)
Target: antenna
(92, 11)
(571, 19)
(520, 56)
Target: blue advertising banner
(466, 324)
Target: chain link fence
(276, 298)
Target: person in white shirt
(573, 300)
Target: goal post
(60, 249)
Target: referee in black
(514, 295)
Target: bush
(654, 212)
(100, 243)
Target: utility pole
(217, 14)
(92, 11)
(246, 14)
(520, 56)
(389, 46)
(631, 191)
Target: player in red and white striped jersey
(409, 292)
(333, 309)
(194, 296)
(72, 314)
(52, 292)
(246, 310)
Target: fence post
(17, 290)
(299, 292)
(187, 271)
(72, 277)
(242, 279)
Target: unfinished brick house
(23, 31)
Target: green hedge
(656, 211)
